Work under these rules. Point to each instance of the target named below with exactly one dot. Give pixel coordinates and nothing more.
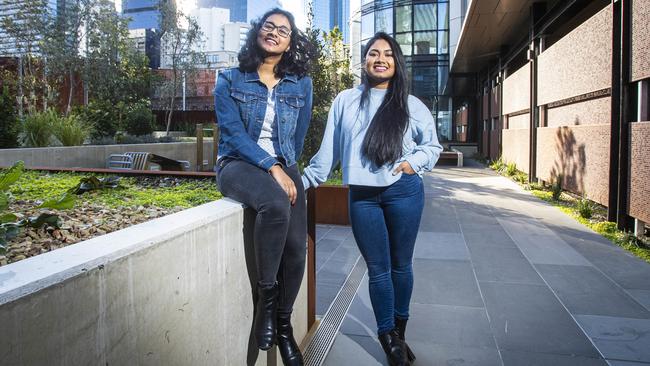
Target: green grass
(571, 206)
(35, 185)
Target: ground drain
(323, 339)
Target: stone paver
(501, 278)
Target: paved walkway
(501, 278)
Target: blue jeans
(385, 222)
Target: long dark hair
(297, 60)
(383, 141)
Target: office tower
(143, 13)
(16, 9)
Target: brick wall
(580, 154)
(578, 63)
(516, 91)
(595, 111)
(640, 39)
(516, 147)
(640, 171)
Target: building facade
(144, 14)
(18, 10)
(422, 30)
(562, 90)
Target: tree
(179, 43)
(330, 75)
(113, 70)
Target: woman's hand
(404, 167)
(285, 182)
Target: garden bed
(95, 213)
(583, 210)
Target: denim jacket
(240, 100)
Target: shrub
(71, 130)
(511, 169)
(9, 123)
(556, 188)
(38, 128)
(138, 120)
(585, 208)
(102, 116)
(497, 165)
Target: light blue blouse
(344, 134)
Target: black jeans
(280, 232)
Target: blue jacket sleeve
(304, 118)
(231, 126)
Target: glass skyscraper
(11, 8)
(144, 14)
(422, 30)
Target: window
(443, 75)
(424, 81)
(425, 43)
(443, 44)
(403, 19)
(367, 26)
(425, 17)
(405, 40)
(384, 21)
(443, 16)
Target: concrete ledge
(171, 291)
(94, 156)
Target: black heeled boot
(287, 345)
(394, 348)
(265, 316)
(400, 324)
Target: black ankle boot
(287, 345)
(265, 314)
(394, 348)
(400, 325)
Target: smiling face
(274, 36)
(380, 64)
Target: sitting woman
(263, 111)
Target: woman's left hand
(404, 167)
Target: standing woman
(384, 139)
(263, 110)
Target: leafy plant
(71, 130)
(138, 120)
(38, 128)
(8, 120)
(92, 183)
(585, 208)
(10, 226)
(511, 169)
(497, 165)
(102, 117)
(556, 188)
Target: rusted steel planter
(332, 205)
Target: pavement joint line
(478, 285)
(592, 341)
(323, 339)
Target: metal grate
(322, 341)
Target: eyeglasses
(283, 31)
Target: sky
(294, 6)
